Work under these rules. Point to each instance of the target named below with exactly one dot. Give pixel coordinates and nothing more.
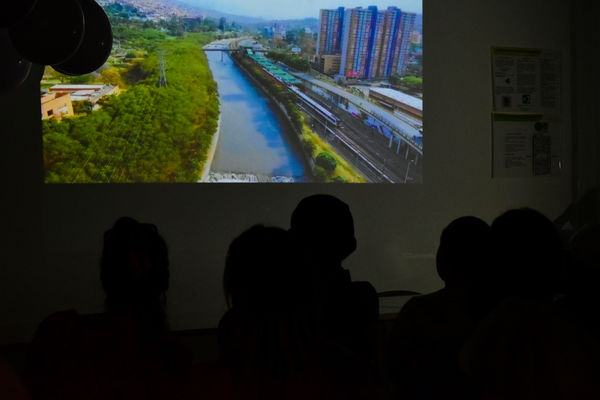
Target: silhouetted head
(463, 255)
(134, 268)
(323, 226)
(528, 252)
(260, 272)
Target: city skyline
(290, 9)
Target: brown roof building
(328, 64)
(398, 101)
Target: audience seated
(581, 301)
(344, 311)
(528, 254)
(125, 352)
(11, 385)
(526, 348)
(269, 349)
(261, 283)
(430, 330)
(510, 323)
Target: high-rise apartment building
(329, 40)
(407, 22)
(360, 43)
(373, 43)
(389, 60)
(396, 41)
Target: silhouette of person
(581, 300)
(430, 330)
(124, 352)
(526, 348)
(528, 254)
(343, 311)
(259, 281)
(268, 349)
(11, 385)
(260, 267)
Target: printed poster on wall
(525, 146)
(526, 119)
(526, 80)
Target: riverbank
(296, 137)
(211, 151)
(314, 148)
(254, 138)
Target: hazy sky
(290, 9)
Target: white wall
(49, 258)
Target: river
(253, 144)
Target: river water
(253, 141)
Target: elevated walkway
(401, 130)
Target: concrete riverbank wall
(297, 134)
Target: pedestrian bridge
(213, 47)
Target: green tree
(291, 60)
(415, 69)
(111, 76)
(413, 83)
(147, 133)
(82, 107)
(326, 161)
(307, 42)
(395, 80)
(309, 147)
(320, 174)
(209, 25)
(81, 79)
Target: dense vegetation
(326, 161)
(148, 133)
(409, 83)
(291, 60)
(314, 145)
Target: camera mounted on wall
(72, 36)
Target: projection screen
(197, 91)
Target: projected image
(271, 91)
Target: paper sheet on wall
(526, 80)
(525, 146)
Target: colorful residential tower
(396, 41)
(330, 32)
(361, 44)
(372, 43)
